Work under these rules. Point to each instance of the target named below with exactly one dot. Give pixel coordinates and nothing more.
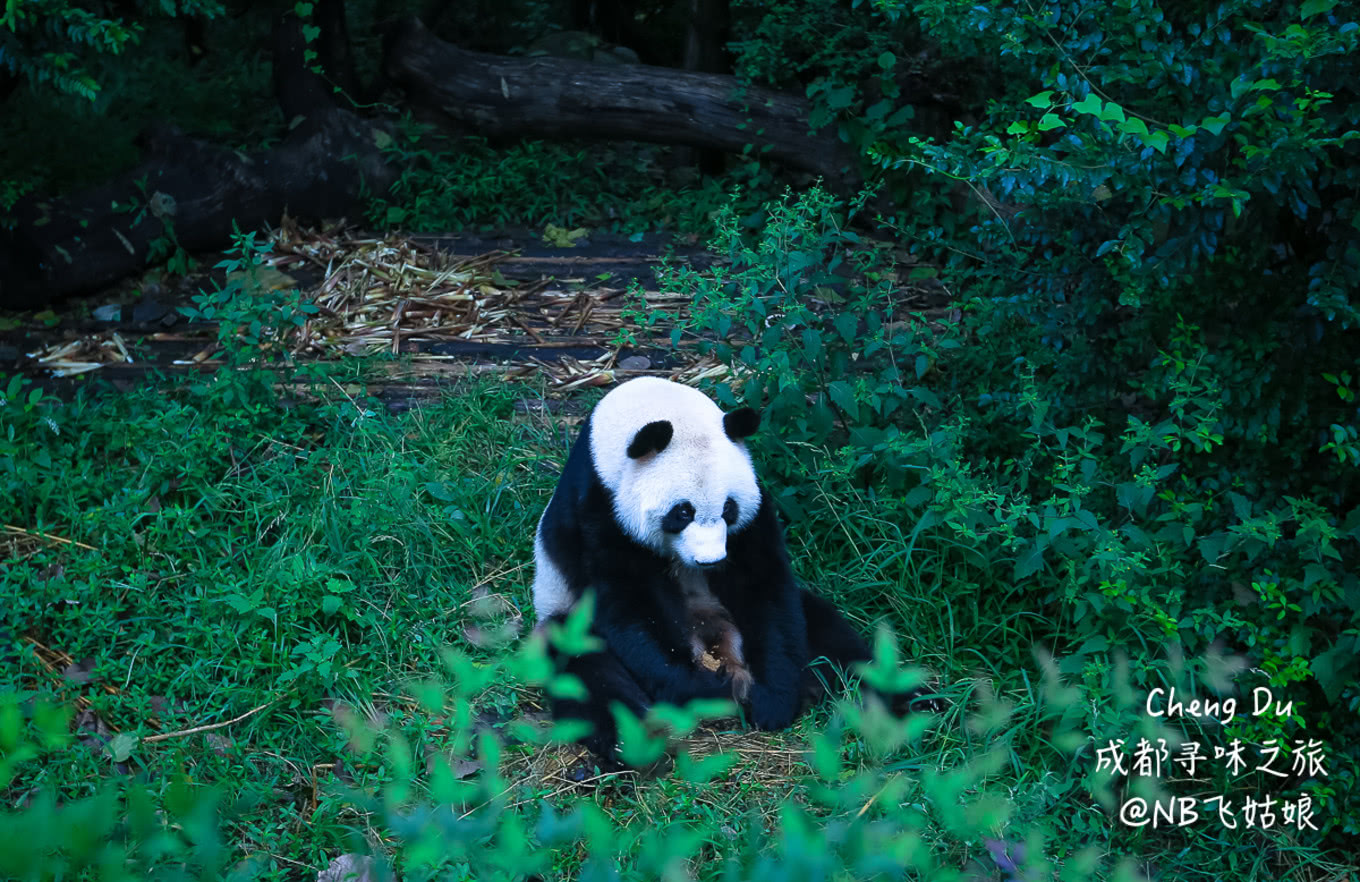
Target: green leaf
(1157, 141)
(1215, 124)
(439, 491)
(887, 60)
(1019, 127)
(573, 637)
(1113, 112)
(704, 770)
(1090, 104)
(1050, 121)
(330, 604)
(839, 97)
(847, 325)
(568, 687)
(1136, 127)
(917, 496)
(120, 748)
(637, 746)
(1031, 560)
(843, 394)
(1335, 669)
(1316, 7)
(1043, 99)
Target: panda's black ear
(651, 438)
(741, 423)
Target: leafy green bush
(1151, 422)
(450, 184)
(959, 434)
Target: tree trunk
(503, 97)
(705, 51)
(337, 62)
(189, 192)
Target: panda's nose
(710, 564)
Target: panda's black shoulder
(578, 491)
(579, 531)
(578, 478)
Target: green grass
(235, 553)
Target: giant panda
(660, 514)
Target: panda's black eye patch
(678, 518)
(730, 511)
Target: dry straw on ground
(393, 295)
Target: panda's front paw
(773, 709)
(918, 700)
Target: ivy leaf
(1215, 124)
(1050, 121)
(1043, 99)
(1090, 104)
(1157, 141)
(1136, 127)
(1113, 112)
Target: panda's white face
(680, 482)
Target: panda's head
(677, 468)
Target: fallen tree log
(503, 97)
(187, 192)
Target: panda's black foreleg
(606, 681)
(667, 676)
(775, 634)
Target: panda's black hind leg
(835, 647)
(606, 681)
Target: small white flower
(52, 424)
